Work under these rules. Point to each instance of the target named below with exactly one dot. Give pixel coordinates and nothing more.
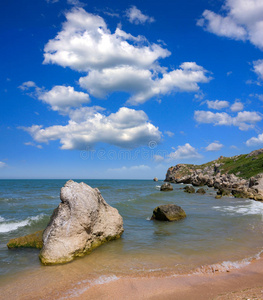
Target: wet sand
(244, 283)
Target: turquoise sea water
(215, 230)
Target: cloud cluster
(85, 43)
(117, 61)
(126, 128)
(135, 16)
(241, 20)
(142, 84)
(243, 120)
(108, 62)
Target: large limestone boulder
(169, 212)
(81, 222)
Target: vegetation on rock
(33, 240)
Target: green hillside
(244, 165)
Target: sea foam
(12, 226)
(78, 290)
(227, 266)
(249, 207)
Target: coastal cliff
(240, 175)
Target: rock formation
(225, 174)
(81, 222)
(166, 187)
(169, 212)
(155, 179)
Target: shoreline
(243, 283)
(206, 283)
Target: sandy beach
(243, 283)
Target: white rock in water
(82, 221)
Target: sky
(126, 89)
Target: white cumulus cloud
(258, 67)
(141, 83)
(126, 128)
(254, 141)
(217, 104)
(243, 120)
(86, 43)
(214, 147)
(137, 17)
(61, 98)
(237, 106)
(27, 85)
(118, 61)
(240, 20)
(184, 152)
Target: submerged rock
(169, 212)
(201, 191)
(166, 187)
(81, 222)
(223, 191)
(189, 189)
(33, 240)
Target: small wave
(12, 226)
(226, 266)
(7, 199)
(131, 199)
(157, 187)
(250, 207)
(2, 219)
(77, 291)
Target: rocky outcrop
(33, 240)
(166, 187)
(81, 222)
(169, 212)
(224, 174)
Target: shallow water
(215, 230)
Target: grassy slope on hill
(243, 165)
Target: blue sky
(126, 89)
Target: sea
(224, 232)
